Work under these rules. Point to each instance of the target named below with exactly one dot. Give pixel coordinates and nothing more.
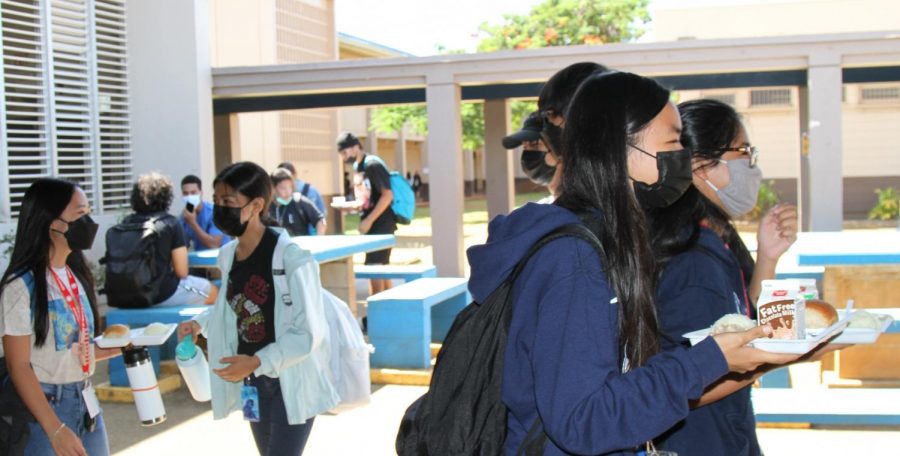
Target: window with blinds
(64, 110)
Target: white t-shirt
(57, 361)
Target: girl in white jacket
(267, 331)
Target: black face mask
(675, 177)
(350, 160)
(536, 168)
(552, 136)
(81, 233)
(228, 219)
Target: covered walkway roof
(819, 64)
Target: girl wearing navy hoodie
(581, 357)
(708, 271)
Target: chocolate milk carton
(782, 304)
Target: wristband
(61, 426)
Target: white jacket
(301, 335)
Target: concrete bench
(405, 272)
(137, 318)
(404, 320)
(843, 406)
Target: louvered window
(64, 98)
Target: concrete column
(170, 89)
(400, 153)
(468, 172)
(371, 145)
(826, 195)
(499, 170)
(803, 189)
(446, 174)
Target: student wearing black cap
(538, 162)
(373, 195)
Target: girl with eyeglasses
(708, 272)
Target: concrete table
(848, 248)
(334, 254)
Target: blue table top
(848, 248)
(323, 248)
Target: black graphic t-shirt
(251, 294)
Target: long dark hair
(45, 202)
(557, 93)
(708, 128)
(605, 116)
(252, 181)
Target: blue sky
(419, 26)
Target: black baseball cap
(531, 131)
(346, 140)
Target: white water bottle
(144, 387)
(194, 368)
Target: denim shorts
(68, 404)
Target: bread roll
(866, 320)
(731, 323)
(820, 314)
(116, 332)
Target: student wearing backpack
(151, 197)
(48, 319)
(582, 370)
(298, 216)
(373, 195)
(708, 271)
(304, 189)
(267, 334)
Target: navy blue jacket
(697, 288)
(562, 359)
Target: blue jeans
(273, 435)
(69, 407)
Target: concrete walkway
(190, 430)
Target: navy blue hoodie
(696, 289)
(562, 359)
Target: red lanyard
(74, 303)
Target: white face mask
(739, 196)
(192, 199)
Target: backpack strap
(571, 230)
(305, 190)
(279, 275)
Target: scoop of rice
(731, 323)
(155, 329)
(866, 320)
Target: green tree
(568, 22)
(552, 23)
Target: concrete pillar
(400, 153)
(446, 174)
(499, 170)
(170, 89)
(468, 172)
(803, 189)
(371, 144)
(826, 198)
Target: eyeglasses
(749, 151)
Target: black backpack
(462, 412)
(133, 277)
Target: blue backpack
(404, 203)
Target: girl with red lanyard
(47, 321)
(707, 271)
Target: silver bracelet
(61, 426)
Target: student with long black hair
(581, 362)
(48, 319)
(708, 271)
(266, 330)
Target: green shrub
(888, 205)
(765, 200)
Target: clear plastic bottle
(194, 368)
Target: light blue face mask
(739, 196)
(192, 199)
(282, 201)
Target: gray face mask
(739, 196)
